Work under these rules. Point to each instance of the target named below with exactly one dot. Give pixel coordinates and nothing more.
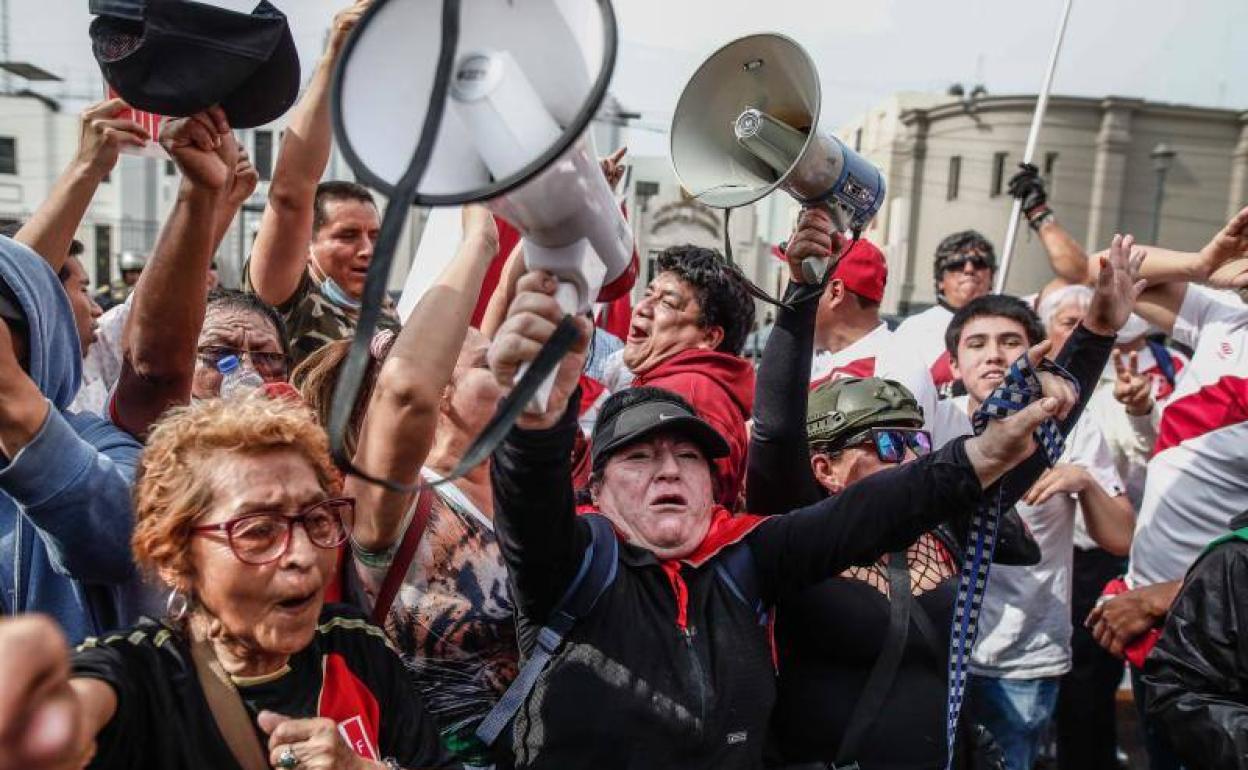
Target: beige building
(947, 161)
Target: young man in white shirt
(1025, 626)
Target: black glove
(1028, 188)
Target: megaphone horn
(747, 124)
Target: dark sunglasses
(264, 536)
(977, 262)
(270, 366)
(890, 443)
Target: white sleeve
(1202, 306)
(1087, 447)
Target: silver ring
(287, 759)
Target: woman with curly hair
(239, 512)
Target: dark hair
(962, 242)
(337, 191)
(248, 302)
(998, 306)
(10, 230)
(720, 288)
(316, 379)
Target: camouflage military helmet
(838, 409)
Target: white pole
(1042, 103)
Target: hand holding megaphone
(531, 320)
(814, 246)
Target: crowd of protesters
(682, 561)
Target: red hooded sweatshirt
(720, 387)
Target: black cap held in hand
(178, 57)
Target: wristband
(1038, 216)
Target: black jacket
(630, 689)
(1196, 678)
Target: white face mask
(330, 288)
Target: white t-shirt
(922, 337)
(855, 360)
(1024, 622)
(1198, 476)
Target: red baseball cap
(863, 270)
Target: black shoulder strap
(597, 572)
(880, 680)
(735, 567)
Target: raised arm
(403, 412)
(76, 496)
(534, 512)
(168, 306)
(280, 253)
(1066, 255)
(778, 475)
(101, 136)
(1221, 264)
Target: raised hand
(102, 135)
(531, 320)
(1132, 389)
(344, 22)
(613, 168)
(1225, 258)
(1117, 287)
(814, 236)
(197, 145)
(244, 181)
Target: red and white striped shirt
(1198, 475)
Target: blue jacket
(65, 510)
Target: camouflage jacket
(312, 321)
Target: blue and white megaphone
(747, 123)
(512, 87)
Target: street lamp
(1163, 158)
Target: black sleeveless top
(827, 652)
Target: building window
(264, 155)
(998, 174)
(8, 155)
(955, 177)
(103, 255)
(858, 139)
(1050, 163)
(170, 169)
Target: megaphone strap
(809, 291)
(1020, 388)
(402, 197)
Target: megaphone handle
(568, 298)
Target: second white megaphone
(747, 123)
(524, 81)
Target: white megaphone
(515, 95)
(747, 123)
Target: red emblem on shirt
(349, 702)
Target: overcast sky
(1184, 52)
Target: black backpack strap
(880, 680)
(595, 575)
(735, 567)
